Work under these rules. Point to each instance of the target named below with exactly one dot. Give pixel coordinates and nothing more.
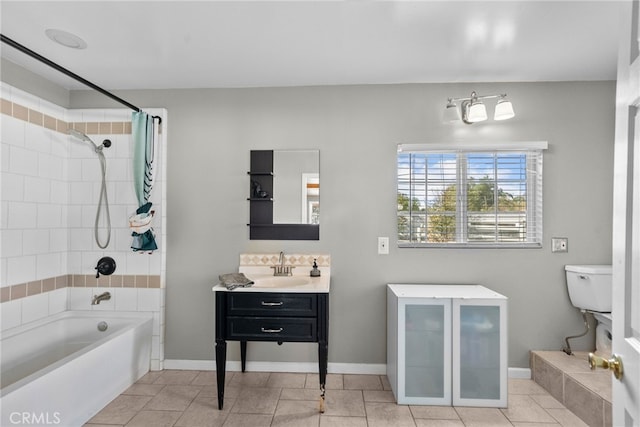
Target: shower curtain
(144, 139)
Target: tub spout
(105, 296)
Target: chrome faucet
(281, 269)
(105, 296)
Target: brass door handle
(614, 364)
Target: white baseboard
(306, 367)
(524, 373)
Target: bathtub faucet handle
(106, 266)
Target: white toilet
(590, 290)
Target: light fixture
(451, 112)
(473, 109)
(504, 109)
(65, 38)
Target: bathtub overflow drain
(102, 326)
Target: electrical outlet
(383, 246)
(559, 244)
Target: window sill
(471, 245)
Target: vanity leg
(221, 362)
(323, 350)
(243, 354)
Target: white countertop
(265, 281)
(443, 291)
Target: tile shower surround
(42, 175)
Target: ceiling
(221, 44)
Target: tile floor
(255, 399)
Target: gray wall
(30, 82)
(356, 129)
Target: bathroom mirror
(284, 195)
(296, 187)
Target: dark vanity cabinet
(269, 316)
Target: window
(470, 196)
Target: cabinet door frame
(456, 368)
(402, 398)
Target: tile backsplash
(298, 260)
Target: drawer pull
(271, 331)
(271, 304)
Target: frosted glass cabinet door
(424, 341)
(480, 356)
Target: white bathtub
(62, 370)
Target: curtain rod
(71, 74)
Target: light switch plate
(559, 244)
(383, 246)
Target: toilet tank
(589, 286)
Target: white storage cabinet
(447, 345)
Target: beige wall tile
(49, 285)
(93, 128)
(7, 107)
(79, 126)
(62, 126)
(36, 117)
(104, 281)
(116, 280)
(64, 281)
(104, 128)
(142, 281)
(19, 291)
(117, 128)
(79, 281)
(20, 112)
(5, 294)
(128, 281)
(50, 122)
(34, 288)
(153, 281)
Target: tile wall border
(22, 290)
(20, 112)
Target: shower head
(81, 136)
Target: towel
(235, 280)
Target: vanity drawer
(272, 328)
(268, 303)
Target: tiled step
(569, 379)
